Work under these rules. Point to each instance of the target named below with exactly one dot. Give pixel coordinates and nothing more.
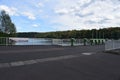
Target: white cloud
(40, 4)
(87, 14)
(39, 7)
(29, 15)
(46, 0)
(65, 14)
(61, 11)
(35, 25)
(10, 10)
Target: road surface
(58, 63)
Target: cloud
(35, 25)
(29, 15)
(46, 0)
(40, 4)
(63, 14)
(87, 14)
(10, 10)
(62, 11)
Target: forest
(105, 33)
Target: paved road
(58, 63)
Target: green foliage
(110, 33)
(7, 24)
(27, 35)
(3, 34)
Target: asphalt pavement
(58, 63)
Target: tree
(6, 25)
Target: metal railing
(112, 44)
(4, 41)
(67, 42)
(49, 41)
(38, 41)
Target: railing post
(6, 38)
(112, 44)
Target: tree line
(105, 33)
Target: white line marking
(27, 62)
(87, 53)
(19, 63)
(30, 62)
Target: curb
(116, 51)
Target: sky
(61, 15)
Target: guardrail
(49, 41)
(112, 44)
(4, 41)
(67, 42)
(39, 41)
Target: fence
(112, 44)
(39, 41)
(45, 41)
(67, 42)
(24, 41)
(4, 41)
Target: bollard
(91, 41)
(72, 41)
(85, 41)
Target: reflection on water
(32, 41)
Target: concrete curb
(116, 51)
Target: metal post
(112, 44)
(103, 35)
(6, 40)
(96, 34)
(92, 35)
(99, 35)
(71, 41)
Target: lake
(32, 41)
(44, 41)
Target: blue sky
(58, 15)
